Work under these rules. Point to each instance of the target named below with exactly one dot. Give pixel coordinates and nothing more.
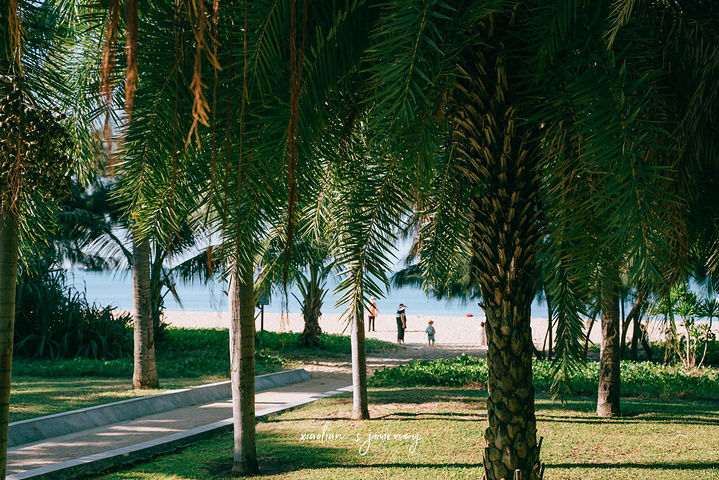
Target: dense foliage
(34, 147)
(53, 321)
(642, 379)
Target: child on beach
(430, 333)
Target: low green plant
(183, 353)
(639, 379)
(328, 343)
(692, 344)
(55, 321)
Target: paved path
(58, 456)
(91, 451)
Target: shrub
(183, 353)
(54, 321)
(642, 379)
(340, 344)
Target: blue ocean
(115, 288)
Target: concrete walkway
(91, 451)
(88, 451)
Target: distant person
(372, 315)
(430, 333)
(401, 323)
(483, 334)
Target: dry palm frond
(108, 63)
(15, 27)
(131, 49)
(297, 57)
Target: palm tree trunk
(635, 316)
(586, 340)
(8, 279)
(312, 308)
(242, 370)
(608, 401)
(636, 333)
(506, 229)
(549, 327)
(360, 406)
(145, 372)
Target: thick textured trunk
(312, 308)
(512, 433)
(310, 335)
(242, 371)
(608, 401)
(498, 161)
(8, 277)
(145, 373)
(360, 408)
(550, 327)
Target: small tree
(690, 345)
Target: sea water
(115, 288)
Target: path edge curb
(42, 428)
(101, 462)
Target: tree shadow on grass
(653, 419)
(634, 412)
(425, 395)
(642, 466)
(280, 456)
(455, 417)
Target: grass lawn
(47, 386)
(36, 396)
(442, 429)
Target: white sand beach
(460, 332)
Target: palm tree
(552, 128)
(309, 269)
(36, 149)
(222, 159)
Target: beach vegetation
(56, 321)
(309, 268)
(35, 166)
(488, 126)
(657, 438)
(639, 379)
(687, 340)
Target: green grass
(639, 379)
(33, 396)
(185, 357)
(656, 439)
(288, 344)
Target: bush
(183, 353)
(54, 321)
(329, 343)
(639, 379)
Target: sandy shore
(460, 332)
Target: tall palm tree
(36, 149)
(239, 152)
(552, 112)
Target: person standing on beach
(430, 333)
(401, 323)
(372, 315)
